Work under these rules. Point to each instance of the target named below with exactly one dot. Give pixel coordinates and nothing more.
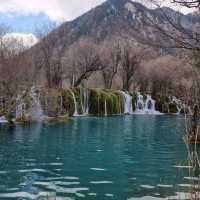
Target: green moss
(173, 108)
(2, 112)
(162, 103)
(51, 102)
(60, 102)
(97, 100)
(68, 102)
(10, 118)
(94, 101)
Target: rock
(173, 108)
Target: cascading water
(146, 107)
(84, 96)
(75, 104)
(36, 112)
(128, 106)
(178, 103)
(120, 108)
(140, 103)
(3, 120)
(150, 106)
(20, 108)
(105, 107)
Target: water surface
(125, 157)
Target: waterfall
(120, 108)
(146, 107)
(98, 105)
(61, 103)
(150, 106)
(75, 104)
(36, 112)
(140, 103)
(84, 96)
(128, 106)
(179, 104)
(3, 120)
(20, 107)
(105, 107)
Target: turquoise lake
(122, 157)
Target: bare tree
(14, 75)
(110, 55)
(165, 75)
(47, 57)
(131, 57)
(80, 61)
(173, 28)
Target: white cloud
(57, 10)
(12, 40)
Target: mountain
(48, 62)
(118, 17)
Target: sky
(24, 15)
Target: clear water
(127, 157)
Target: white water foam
(128, 106)
(84, 96)
(98, 169)
(101, 182)
(3, 120)
(75, 104)
(146, 107)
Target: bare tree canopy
(80, 61)
(47, 57)
(131, 58)
(13, 71)
(173, 28)
(110, 56)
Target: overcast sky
(57, 10)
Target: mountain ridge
(116, 17)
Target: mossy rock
(173, 108)
(97, 100)
(10, 117)
(94, 101)
(68, 102)
(165, 108)
(185, 111)
(23, 120)
(59, 119)
(162, 103)
(51, 102)
(2, 112)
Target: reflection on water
(126, 157)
